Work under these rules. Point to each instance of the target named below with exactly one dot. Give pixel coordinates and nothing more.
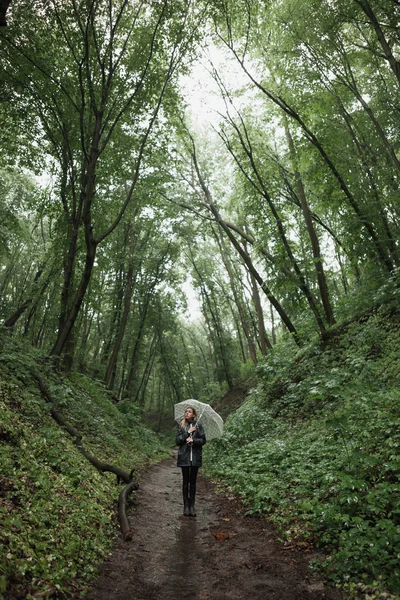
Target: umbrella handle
(201, 415)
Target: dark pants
(189, 477)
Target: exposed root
(100, 466)
(122, 500)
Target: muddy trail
(219, 555)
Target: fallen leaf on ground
(298, 546)
(46, 592)
(222, 536)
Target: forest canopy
(277, 205)
(199, 198)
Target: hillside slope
(316, 448)
(57, 512)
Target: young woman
(190, 439)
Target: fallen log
(105, 467)
(98, 464)
(57, 416)
(122, 501)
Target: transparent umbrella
(206, 415)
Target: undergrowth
(316, 448)
(57, 512)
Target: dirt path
(174, 557)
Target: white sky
(202, 95)
(201, 91)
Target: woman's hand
(192, 429)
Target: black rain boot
(185, 494)
(192, 512)
(186, 512)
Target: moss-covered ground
(316, 448)
(57, 512)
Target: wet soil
(222, 554)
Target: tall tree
(90, 75)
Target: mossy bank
(58, 513)
(316, 447)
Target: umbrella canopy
(206, 415)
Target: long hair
(185, 423)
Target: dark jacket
(190, 454)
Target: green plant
(321, 456)
(57, 513)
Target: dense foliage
(316, 448)
(58, 514)
(277, 208)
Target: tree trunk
(77, 302)
(87, 192)
(110, 372)
(317, 259)
(118, 296)
(272, 325)
(146, 372)
(262, 190)
(68, 268)
(237, 298)
(246, 258)
(191, 392)
(264, 341)
(394, 64)
(216, 329)
(280, 310)
(135, 351)
(220, 342)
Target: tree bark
(237, 299)
(317, 258)
(264, 341)
(110, 372)
(273, 333)
(394, 64)
(77, 302)
(246, 258)
(118, 296)
(122, 502)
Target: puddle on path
(172, 557)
